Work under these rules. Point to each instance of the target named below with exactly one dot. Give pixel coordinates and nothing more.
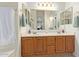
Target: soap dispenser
(29, 31)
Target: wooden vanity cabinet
(60, 44)
(40, 47)
(47, 45)
(51, 45)
(70, 42)
(51, 40)
(33, 46)
(27, 46)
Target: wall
(18, 13)
(71, 28)
(76, 8)
(7, 4)
(58, 5)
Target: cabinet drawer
(26, 46)
(51, 41)
(51, 50)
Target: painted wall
(71, 28)
(58, 6)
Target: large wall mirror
(42, 19)
(46, 19)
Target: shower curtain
(7, 31)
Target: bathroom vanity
(50, 36)
(47, 45)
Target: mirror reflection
(42, 18)
(66, 16)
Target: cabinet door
(27, 46)
(70, 43)
(39, 46)
(60, 44)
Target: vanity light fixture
(45, 4)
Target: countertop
(24, 33)
(46, 34)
